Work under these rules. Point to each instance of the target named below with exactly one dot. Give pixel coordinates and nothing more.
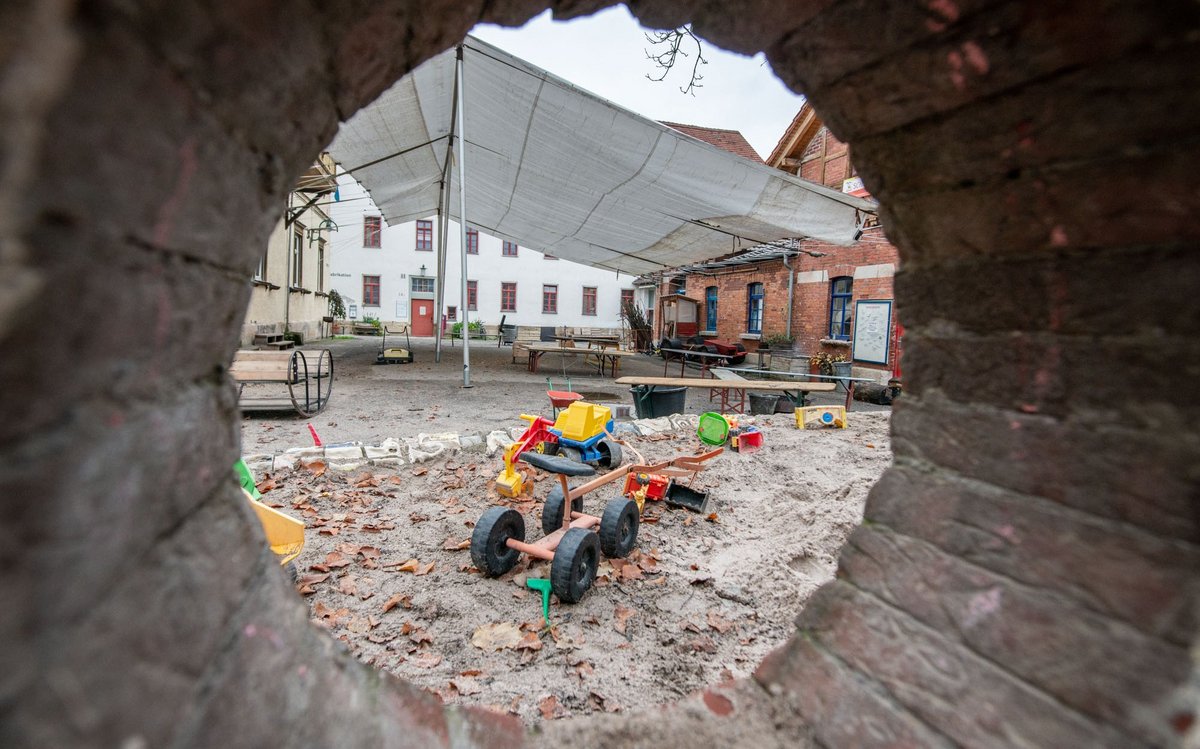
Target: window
(589, 300)
(260, 273)
(754, 308)
(472, 295)
(422, 285)
(508, 249)
(626, 298)
(372, 231)
(550, 299)
(840, 292)
(424, 234)
(320, 265)
(710, 308)
(452, 313)
(370, 291)
(472, 243)
(508, 297)
(297, 257)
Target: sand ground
(701, 599)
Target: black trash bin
(508, 334)
(652, 402)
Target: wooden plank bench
(733, 392)
(308, 376)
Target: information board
(872, 330)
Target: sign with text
(872, 330)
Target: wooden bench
(308, 376)
(733, 391)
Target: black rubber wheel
(573, 453)
(619, 527)
(664, 344)
(547, 448)
(696, 340)
(488, 549)
(293, 572)
(574, 567)
(610, 453)
(552, 510)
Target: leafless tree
(666, 59)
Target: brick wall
(810, 299)
(1027, 572)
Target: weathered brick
(846, 707)
(1073, 654)
(970, 699)
(1144, 475)
(1110, 568)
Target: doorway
(422, 317)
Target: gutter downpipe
(791, 289)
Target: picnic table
(600, 341)
(611, 356)
(732, 392)
(701, 358)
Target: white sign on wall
(872, 330)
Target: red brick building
(744, 296)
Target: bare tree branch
(668, 57)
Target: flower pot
(842, 369)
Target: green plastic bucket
(713, 429)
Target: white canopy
(562, 171)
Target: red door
(422, 317)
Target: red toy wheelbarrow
(561, 398)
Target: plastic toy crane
(537, 437)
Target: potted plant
(337, 310)
(825, 363)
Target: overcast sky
(606, 54)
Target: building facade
(816, 296)
(390, 273)
(291, 282)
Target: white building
(389, 273)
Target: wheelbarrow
(560, 399)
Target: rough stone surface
(1037, 168)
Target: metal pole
(462, 222)
(443, 227)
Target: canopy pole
(443, 231)
(440, 284)
(439, 292)
(462, 221)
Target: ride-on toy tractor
(573, 546)
(574, 539)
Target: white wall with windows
(379, 270)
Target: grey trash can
(508, 334)
(659, 401)
(763, 403)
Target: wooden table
(735, 388)
(610, 355)
(600, 341)
(705, 359)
